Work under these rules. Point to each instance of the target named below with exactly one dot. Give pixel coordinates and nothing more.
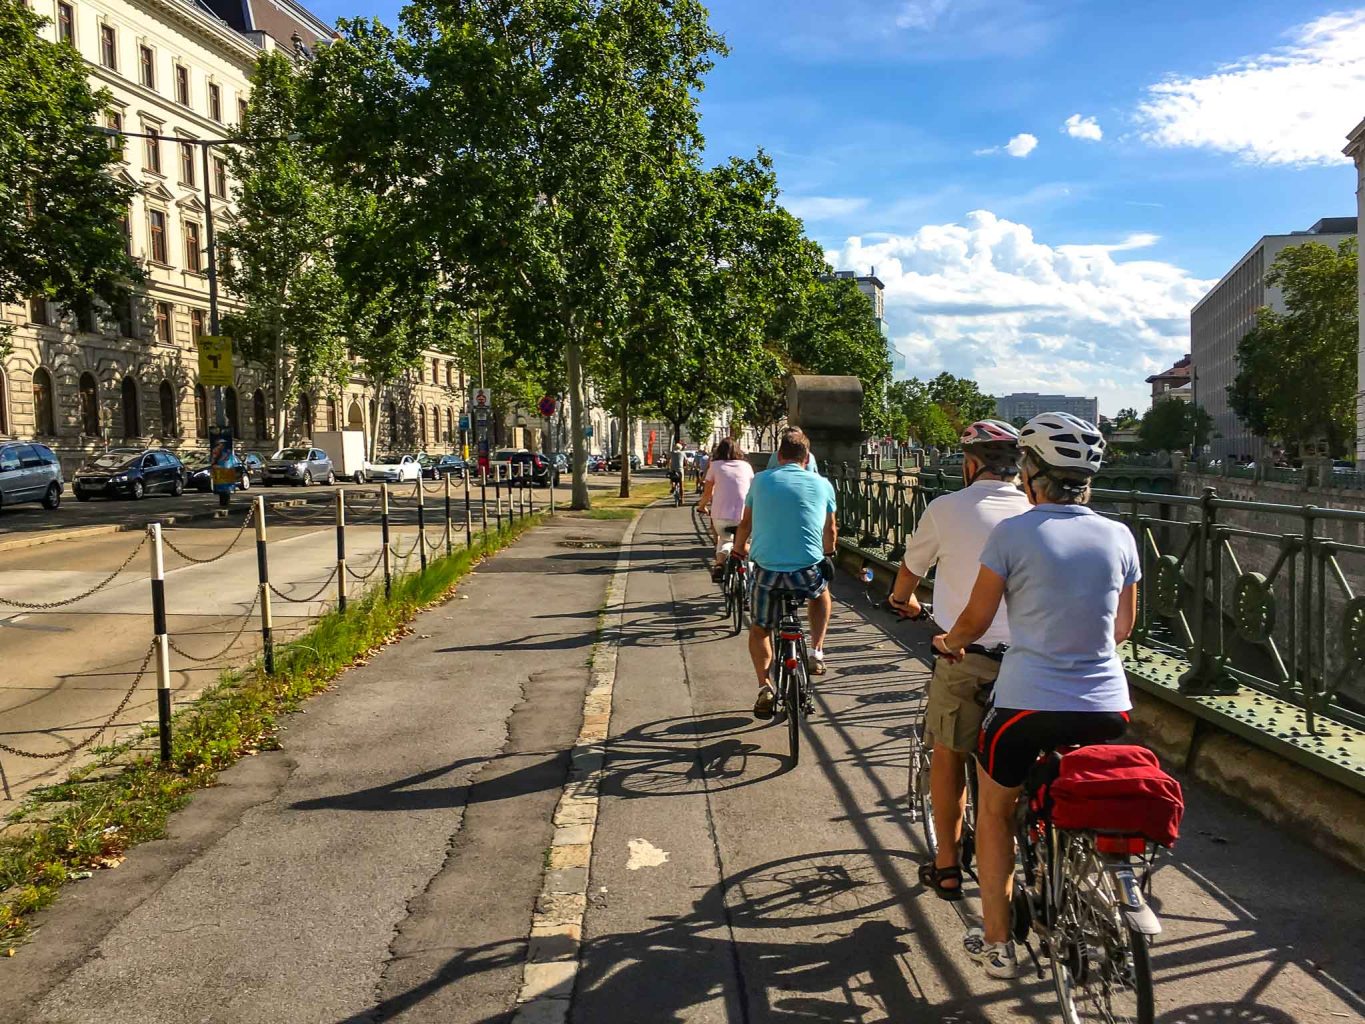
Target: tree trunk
(279, 396)
(577, 416)
(625, 441)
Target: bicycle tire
(921, 794)
(739, 606)
(792, 689)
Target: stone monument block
(830, 411)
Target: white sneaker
(998, 957)
(816, 663)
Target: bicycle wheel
(792, 682)
(920, 793)
(737, 584)
(968, 853)
(1101, 968)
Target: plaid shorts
(765, 599)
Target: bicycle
(676, 492)
(789, 672)
(734, 586)
(1083, 894)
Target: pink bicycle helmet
(989, 432)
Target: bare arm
(977, 617)
(831, 538)
(704, 505)
(902, 596)
(1127, 614)
(743, 532)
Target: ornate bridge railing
(1254, 610)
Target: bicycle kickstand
(1037, 964)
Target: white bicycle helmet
(989, 432)
(1063, 441)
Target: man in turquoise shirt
(788, 531)
(810, 465)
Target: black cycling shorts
(1011, 740)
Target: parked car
(597, 463)
(29, 472)
(446, 465)
(299, 466)
(561, 459)
(542, 469)
(199, 476)
(1342, 466)
(130, 472)
(394, 469)
(614, 463)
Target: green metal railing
(1238, 597)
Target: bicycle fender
(1136, 911)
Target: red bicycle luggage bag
(1116, 789)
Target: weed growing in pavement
(89, 822)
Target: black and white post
(263, 576)
(341, 549)
(162, 641)
(449, 525)
(421, 525)
(384, 538)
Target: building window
(258, 413)
(182, 85)
(90, 406)
(193, 253)
(163, 322)
(421, 425)
(87, 318)
(42, 402)
(126, 226)
(196, 324)
(333, 416)
(37, 311)
(241, 111)
(108, 47)
(132, 422)
(169, 426)
(66, 24)
(436, 423)
(130, 318)
(216, 102)
(153, 151)
(450, 424)
(305, 417)
(4, 403)
(219, 177)
(393, 423)
(156, 228)
(146, 65)
(186, 164)
(201, 411)
(436, 372)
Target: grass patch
(605, 513)
(91, 820)
(642, 495)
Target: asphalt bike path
(384, 864)
(726, 888)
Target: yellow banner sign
(215, 361)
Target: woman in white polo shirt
(727, 485)
(1070, 578)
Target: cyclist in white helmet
(1070, 577)
(952, 531)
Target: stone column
(830, 411)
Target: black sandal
(932, 876)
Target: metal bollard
(468, 515)
(448, 524)
(384, 538)
(553, 473)
(497, 495)
(531, 492)
(421, 525)
(341, 549)
(263, 574)
(163, 649)
(483, 497)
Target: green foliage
(931, 412)
(961, 400)
(1296, 371)
(1172, 425)
(60, 203)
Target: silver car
(29, 472)
(301, 466)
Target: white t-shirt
(951, 534)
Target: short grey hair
(1056, 486)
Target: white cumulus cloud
(1021, 145)
(987, 300)
(1087, 128)
(1291, 106)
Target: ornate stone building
(79, 382)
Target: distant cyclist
(699, 467)
(1070, 577)
(728, 478)
(952, 531)
(810, 464)
(788, 531)
(677, 465)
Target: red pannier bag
(1115, 789)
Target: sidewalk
(384, 864)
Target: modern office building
(1222, 318)
(1027, 404)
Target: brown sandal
(932, 876)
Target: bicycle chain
(147, 660)
(47, 605)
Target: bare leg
(995, 853)
(761, 652)
(947, 782)
(820, 608)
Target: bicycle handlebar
(926, 610)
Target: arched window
(355, 419)
(90, 406)
(132, 422)
(230, 410)
(258, 413)
(421, 426)
(170, 425)
(333, 416)
(201, 411)
(393, 422)
(450, 423)
(4, 403)
(43, 420)
(305, 416)
(436, 423)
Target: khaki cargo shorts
(956, 701)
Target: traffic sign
(215, 361)
(548, 406)
(464, 421)
(483, 398)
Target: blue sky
(930, 138)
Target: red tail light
(1121, 845)
(743, 569)
(791, 663)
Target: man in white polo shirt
(951, 534)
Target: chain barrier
(411, 551)
(142, 671)
(246, 621)
(312, 597)
(372, 570)
(47, 605)
(246, 524)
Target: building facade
(1355, 149)
(1176, 382)
(1028, 404)
(1223, 317)
(83, 380)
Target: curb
(552, 953)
